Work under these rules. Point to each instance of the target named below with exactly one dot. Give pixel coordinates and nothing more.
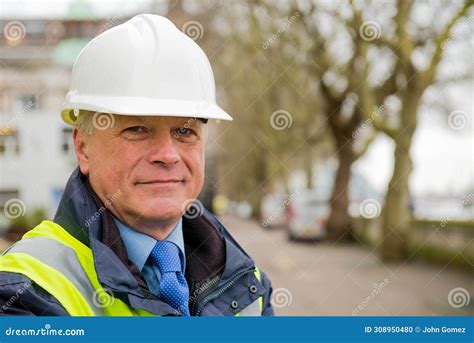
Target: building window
(9, 141)
(35, 29)
(67, 144)
(6, 195)
(26, 102)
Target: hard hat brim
(141, 106)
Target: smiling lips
(161, 181)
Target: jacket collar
(210, 250)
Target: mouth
(160, 182)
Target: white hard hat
(145, 66)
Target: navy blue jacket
(218, 271)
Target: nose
(163, 150)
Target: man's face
(149, 166)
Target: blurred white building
(36, 151)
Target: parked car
(274, 211)
(308, 214)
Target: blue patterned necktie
(173, 286)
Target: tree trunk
(261, 176)
(339, 226)
(308, 166)
(396, 213)
(396, 216)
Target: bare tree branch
(366, 93)
(442, 40)
(404, 46)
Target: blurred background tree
(311, 79)
(407, 82)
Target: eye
(184, 131)
(135, 132)
(135, 129)
(185, 134)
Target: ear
(81, 147)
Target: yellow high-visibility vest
(64, 267)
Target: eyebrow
(190, 121)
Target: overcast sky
(19, 9)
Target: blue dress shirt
(139, 247)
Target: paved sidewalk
(327, 279)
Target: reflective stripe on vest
(48, 254)
(255, 308)
(64, 267)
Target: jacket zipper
(200, 293)
(218, 292)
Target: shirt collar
(140, 245)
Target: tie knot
(165, 255)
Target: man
(128, 237)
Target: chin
(161, 209)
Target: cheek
(112, 161)
(196, 164)
(102, 157)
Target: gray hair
(84, 122)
